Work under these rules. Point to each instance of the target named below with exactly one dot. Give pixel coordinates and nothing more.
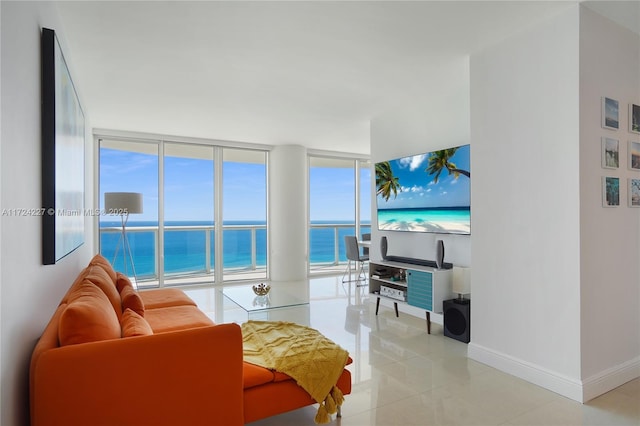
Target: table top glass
(278, 297)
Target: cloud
(414, 188)
(413, 162)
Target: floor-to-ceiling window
(204, 217)
(188, 210)
(131, 167)
(338, 188)
(244, 191)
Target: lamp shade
(123, 202)
(461, 280)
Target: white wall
(610, 237)
(435, 117)
(526, 210)
(29, 291)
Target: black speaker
(383, 247)
(457, 319)
(439, 254)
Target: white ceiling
(308, 73)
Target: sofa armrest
(189, 377)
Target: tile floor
(404, 376)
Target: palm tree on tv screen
(386, 182)
(439, 161)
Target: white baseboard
(562, 385)
(611, 378)
(578, 390)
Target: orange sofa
(113, 356)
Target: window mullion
(160, 253)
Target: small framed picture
(634, 118)
(634, 155)
(610, 153)
(634, 192)
(610, 114)
(610, 191)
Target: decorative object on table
(634, 155)
(610, 191)
(261, 301)
(383, 247)
(439, 254)
(610, 114)
(634, 118)
(63, 140)
(261, 289)
(634, 192)
(123, 204)
(610, 153)
(461, 283)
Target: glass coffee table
(279, 297)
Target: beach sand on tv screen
(439, 227)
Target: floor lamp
(124, 204)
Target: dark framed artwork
(634, 118)
(610, 114)
(610, 191)
(63, 132)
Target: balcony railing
(189, 250)
(326, 243)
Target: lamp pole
(123, 204)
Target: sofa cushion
(102, 280)
(134, 325)
(131, 300)
(122, 281)
(76, 283)
(254, 375)
(175, 318)
(99, 260)
(165, 297)
(88, 317)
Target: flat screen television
(429, 192)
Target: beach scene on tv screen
(429, 192)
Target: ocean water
(185, 250)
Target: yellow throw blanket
(302, 353)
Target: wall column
(288, 248)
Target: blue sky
(332, 194)
(189, 186)
(418, 188)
